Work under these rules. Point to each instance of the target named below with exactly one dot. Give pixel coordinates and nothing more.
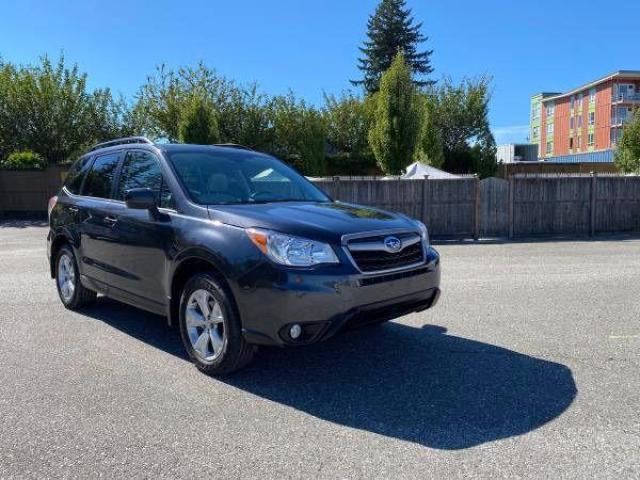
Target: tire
(72, 293)
(210, 327)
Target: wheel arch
(187, 265)
(58, 241)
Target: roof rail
(121, 141)
(232, 145)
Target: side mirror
(141, 199)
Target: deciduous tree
(198, 122)
(47, 108)
(461, 114)
(430, 150)
(627, 157)
(299, 134)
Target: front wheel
(210, 327)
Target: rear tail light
(52, 203)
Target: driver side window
(140, 169)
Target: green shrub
(26, 160)
(627, 156)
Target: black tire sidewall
(234, 342)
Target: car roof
(180, 147)
(226, 149)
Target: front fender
(226, 249)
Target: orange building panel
(603, 116)
(561, 127)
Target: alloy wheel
(205, 325)
(66, 277)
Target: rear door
(96, 220)
(144, 238)
(66, 219)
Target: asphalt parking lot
(528, 367)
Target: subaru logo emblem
(392, 244)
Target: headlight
(423, 232)
(292, 251)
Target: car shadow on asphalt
(415, 384)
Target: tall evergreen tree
(389, 30)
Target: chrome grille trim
(413, 239)
(380, 246)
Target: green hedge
(26, 160)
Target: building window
(580, 101)
(592, 118)
(623, 90)
(535, 111)
(536, 132)
(571, 143)
(613, 136)
(549, 128)
(592, 96)
(572, 102)
(580, 121)
(549, 148)
(623, 115)
(590, 140)
(550, 110)
(579, 142)
(571, 123)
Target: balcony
(626, 98)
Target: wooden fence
(28, 192)
(448, 207)
(521, 206)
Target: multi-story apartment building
(589, 118)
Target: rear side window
(76, 174)
(100, 178)
(140, 169)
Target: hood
(318, 221)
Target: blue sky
(312, 46)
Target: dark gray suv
(233, 246)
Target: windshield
(214, 178)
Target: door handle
(110, 220)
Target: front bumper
(325, 302)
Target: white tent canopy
(419, 170)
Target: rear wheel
(210, 327)
(70, 290)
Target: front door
(144, 238)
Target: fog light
(295, 331)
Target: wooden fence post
(592, 207)
(476, 229)
(336, 183)
(423, 206)
(511, 206)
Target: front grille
(377, 260)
